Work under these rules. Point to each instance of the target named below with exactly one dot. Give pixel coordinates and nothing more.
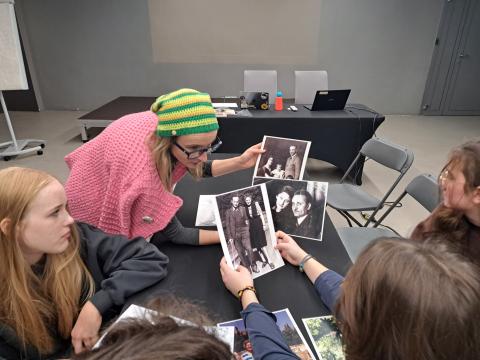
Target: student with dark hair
(457, 218)
(400, 300)
(159, 336)
(60, 279)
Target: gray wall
(85, 53)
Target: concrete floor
(430, 138)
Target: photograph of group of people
(283, 158)
(246, 229)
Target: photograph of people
(246, 230)
(257, 228)
(289, 156)
(299, 208)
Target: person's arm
(327, 282)
(244, 161)
(122, 267)
(265, 336)
(176, 233)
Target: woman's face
(452, 184)
(283, 200)
(269, 162)
(45, 227)
(193, 143)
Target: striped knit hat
(183, 112)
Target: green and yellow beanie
(184, 112)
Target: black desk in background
(194, 272)
(336, 135)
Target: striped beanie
(183, 112)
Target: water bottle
(279, 101)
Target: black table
(193, 272)
(336, 135)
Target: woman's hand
(249, 156)
(85, 331)
(235, 280)
(289, 249)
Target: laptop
(329, 100)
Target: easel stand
(17, 147)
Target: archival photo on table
(246, 231)
(205, 211)
(283, 158)
(242, 348)
(297, 206)
(325, 336)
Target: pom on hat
(183, 112)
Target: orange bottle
(279, 101)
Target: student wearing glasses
(122, 180)
(457, 218)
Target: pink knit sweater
(114, 184)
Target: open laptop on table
(329, 100)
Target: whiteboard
(12, 69)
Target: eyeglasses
(195, 154)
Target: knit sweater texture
(114, 184)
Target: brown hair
(451, 223)
(164, 160)
(28, 303)
(161, 337)
(408, 300)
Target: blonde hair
(32, 305)
(164, 160)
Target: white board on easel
(13, 77)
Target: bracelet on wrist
(301, 266)
(240, 292)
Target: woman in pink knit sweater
(122, 180)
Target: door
(454, 74)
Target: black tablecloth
(336, 135)
(194, 273)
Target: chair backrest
(424, 188)
(307, 83)
(388, 154)
(261, 80)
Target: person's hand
(289, 249)
(249, 156)
(235, 280)
(85, 332)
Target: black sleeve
(207, 168)
(176, 233)
(120, 267)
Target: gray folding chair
(307, 83)
(423, 188)
(261, 80)
(347, 197)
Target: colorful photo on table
(325, 336)
(246, 231)
(283, 158)
(297, 206)
(242, 348)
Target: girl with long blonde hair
(58, 277)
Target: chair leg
(345, 216)
(353, 219)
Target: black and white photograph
(283, 158)
(246, 230)
(298, 207)
(242, 348)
